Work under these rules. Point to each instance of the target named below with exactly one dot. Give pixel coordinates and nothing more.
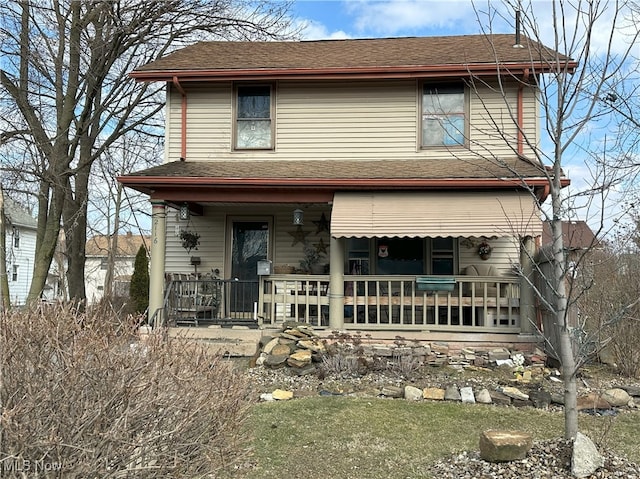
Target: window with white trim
(254, 117)
(444, 116)
(14, 273)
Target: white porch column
(527, 294)
(156, 273)
(336, 283)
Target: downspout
(183, 132)
(520, 119)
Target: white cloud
(313, 30)
(413, 17)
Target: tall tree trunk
(46, 238)
(113, 247)
(75, 227)
(4, 280)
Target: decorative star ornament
(320, 246)
(322, 224)
(299, 235)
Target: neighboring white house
(97, 261)
(20, 246)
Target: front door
(249, 244)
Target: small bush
(139, 286)
(82, 397)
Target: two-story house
(406, 166)
(20, 249)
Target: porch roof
(217, 180)
(434, 214)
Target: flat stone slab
(504, 446)
(434, 394)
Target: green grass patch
(337, 437)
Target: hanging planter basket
(484, 250)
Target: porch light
(184, 212)
(298, 217)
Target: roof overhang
(285, 190)
(383, 72)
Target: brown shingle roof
(408, 54)
(342, 169)
(128, 245)
(576, 235)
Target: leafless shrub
(82, 398)
(609, 310)
(404, 366)
(341, 365)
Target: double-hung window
(254, 117)
(443, 115)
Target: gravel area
(547, 459)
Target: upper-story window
(16, 238)
(254, 117)
(443, 115)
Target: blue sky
(384, 18)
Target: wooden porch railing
(473, 303)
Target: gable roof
(17, 215)
(379, 57)
(128, 245)
(576, 235)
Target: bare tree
(65, 77)
(585, 53)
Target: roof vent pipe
(518, 44)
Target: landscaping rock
(435, 394)
(616, 397)
(632, 390)
(585, 459)
(452, 393)
(514, 393)
(500, 399)
(270, 345)
(276, 361)
(281, 350)
(282, 395)
(504, 446)
(592, 400)
(499, 354)
(483, 396)
(412, 393)
(466, 395)
(540, 398)
(392, 392)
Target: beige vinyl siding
(213, 225)
(208, 122)
(338, 120)
(504, 256)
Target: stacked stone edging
(298, 348)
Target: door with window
(249, 244)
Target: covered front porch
(397, 303)
(395, 274)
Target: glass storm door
(250, 240)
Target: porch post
(336, 283)
(156, 273)
(527, 295)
